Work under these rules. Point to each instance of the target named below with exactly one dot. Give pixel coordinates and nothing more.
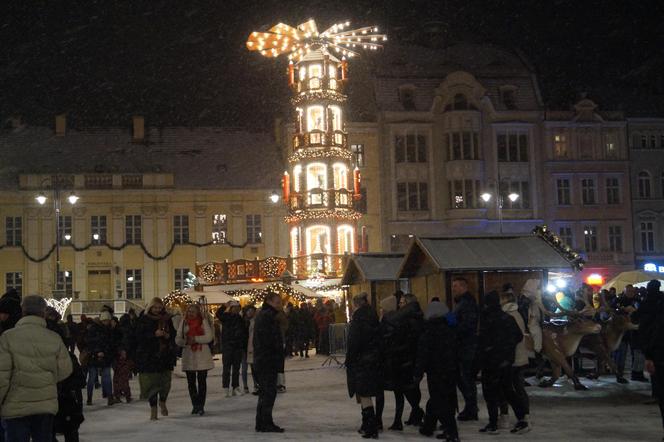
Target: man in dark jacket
(363, 362)
(233, 344)
(498, 338)
(268, 358)
(10, 310)
(437, 357)
(651, 333)
(467, 314)
(101, 345)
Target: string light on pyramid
(297, 42)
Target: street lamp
(512, 196)
(42, 199)
(274, 197)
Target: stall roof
(372, 267)
(482, 253)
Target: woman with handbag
(194, 335)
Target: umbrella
(633, 277)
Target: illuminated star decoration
(297, 42)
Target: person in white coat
(194, 334)
(250, 352)
(510, 306)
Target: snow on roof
(199, 158)
(426, 68)
(373, 267)
(484, 253)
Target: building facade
(646, 144)
(151, 203)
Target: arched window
(318, 239)
(315, 118)
(460, 102)
(345, 239)
(316, 176)
(644, 184)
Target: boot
(372, 424)
(153, 413)
(415, 418)
(162, 406)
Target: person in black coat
(155, 355)
(10, 310)
(467, 315)
(233, 345)
(100, 342)
(268, 358)
(400, 332)
(363, 362)
(650, 317)
(70, 403)
(437, 357)
(498, 338)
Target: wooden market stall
(374, 273)
(486, 262)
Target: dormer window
(460, 102)
(407, 97)
(508, 97)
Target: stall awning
(482, 253)
(372, 267)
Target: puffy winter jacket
(363, 360)
(33, 360)
(520, 353)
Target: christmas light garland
(337, 214)
(329, 152)
(258, 295)
(318, 95)
(574, 258)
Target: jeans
(197, 393)
(106, 381)
(267, 394)
(21, 429)
(231, 359)
(466, 382)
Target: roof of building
(482, 253)
(199, 158)
(372, 267)
(425, 68)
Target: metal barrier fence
(338, 340)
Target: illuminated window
(65, 283)
(98, 228)
(560, 146)
(332, 69)
(318, 239)
(464, 194)
(315, 75)
(315, 118)
(610, 145)
(297, 177)
(295, 241)
(345, 239)
(340, 176)
(303, 73)
(335, 112)
(316, 176)
(219, 228)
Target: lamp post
(41, 198)
(512, 196)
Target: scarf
(195, 329)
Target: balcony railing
(319, 138)
(322, 198)
(318, 84)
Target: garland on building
(258, 294)
(121, 247)
(559, 245)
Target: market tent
(365, 267)
(213, 295)
(482, 253)
(219, 294)
(637, 278)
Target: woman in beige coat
(194, 334)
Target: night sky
(184, 62)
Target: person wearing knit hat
(155, 355)
(100, 341)
(388, 304)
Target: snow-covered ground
(316, 406)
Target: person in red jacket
(323, 318)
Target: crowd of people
(45, 363)
(497, 341)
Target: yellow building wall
(157, 208)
